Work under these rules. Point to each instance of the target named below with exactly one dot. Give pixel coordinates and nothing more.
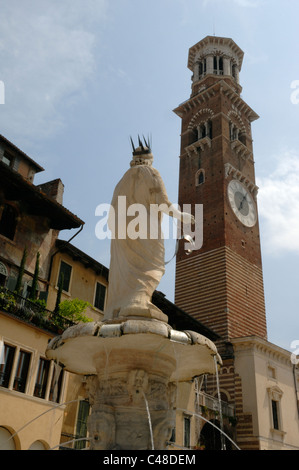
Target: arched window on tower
(205, 129)
(234, 131)
(237, 134)
(209, 129)
(218, 65)
(200, 177)
(193, 136)
(8, 221)
(242, 137)
(202, 68)
(202, 131)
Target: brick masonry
(221, 284)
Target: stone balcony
(212, 404)
(199, 144)
(241, 149)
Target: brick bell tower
(221, 284)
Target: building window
(242, 138)
(199, 177)
(172, 437)
(202, 67)
(193, 136)
(218, 65)
(7, 160)
(99, 301)
(6, 439)
(65, 276)
(42, 378)
(22, 370)
(37, 445)
(202, 131)
(81, 428)
(3, 274)
(275, 396)
(205, 130)
(234, 131)
(187, 430)
(56, 385)
(275, 414)
(6, 366)
(8, 221)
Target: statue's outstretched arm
(184, 217)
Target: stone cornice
(194, 101)
(204, 95)
(237, 174)
(214, 41)
(238, 102)
(263, 347)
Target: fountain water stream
(212, 424)
(57, 370)
(149, 420)
(54, 407)
(223, 446)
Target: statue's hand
(187, 218)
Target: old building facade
(33, 389)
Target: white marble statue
(137, 262)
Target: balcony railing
(32, 312)
(212, 403)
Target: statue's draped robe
(136, 265)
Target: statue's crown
(144, 150)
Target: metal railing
(212, 403)
(32, 312)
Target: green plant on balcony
(74, 310)
(8, 301)
(70, 312)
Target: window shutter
(11, 283)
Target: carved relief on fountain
(119, 413)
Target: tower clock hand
(241, 203)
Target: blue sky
(81, 76)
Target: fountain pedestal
(133, 368)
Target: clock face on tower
(242, 203)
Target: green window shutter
(99, 300)
(81, 428)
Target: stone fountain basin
(95, 347)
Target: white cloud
(47, 56)
(279, 206)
